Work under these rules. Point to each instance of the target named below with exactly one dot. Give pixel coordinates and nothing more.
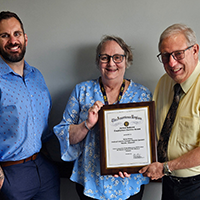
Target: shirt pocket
(188, 131)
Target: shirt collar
(189, 82)
(5, 69)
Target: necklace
(104, 92)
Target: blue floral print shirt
(86, 154)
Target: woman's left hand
(122, 175)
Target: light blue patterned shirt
(25, 103)
(86, 154)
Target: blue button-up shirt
(24, 110)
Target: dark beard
(13, 57)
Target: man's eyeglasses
(117, 58)
(177, 55)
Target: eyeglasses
(177, 55)
(117, 58)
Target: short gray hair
(176, 29)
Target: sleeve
(70, 116)
(47, 133)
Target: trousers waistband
(182, 180)
(9, 163)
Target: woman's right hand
(78, 132)
(1, 177)
(93, 114)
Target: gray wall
(63, 35)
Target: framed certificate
(127, 136)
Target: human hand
(122, 175)
(93, 114)
(153, 171)
(1, 177)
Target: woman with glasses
(78, 132)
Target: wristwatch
(166, 170)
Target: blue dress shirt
(25, 103)
(86, 154)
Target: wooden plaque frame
(147, 111)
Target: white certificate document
(127, 137)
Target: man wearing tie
(177, 100)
